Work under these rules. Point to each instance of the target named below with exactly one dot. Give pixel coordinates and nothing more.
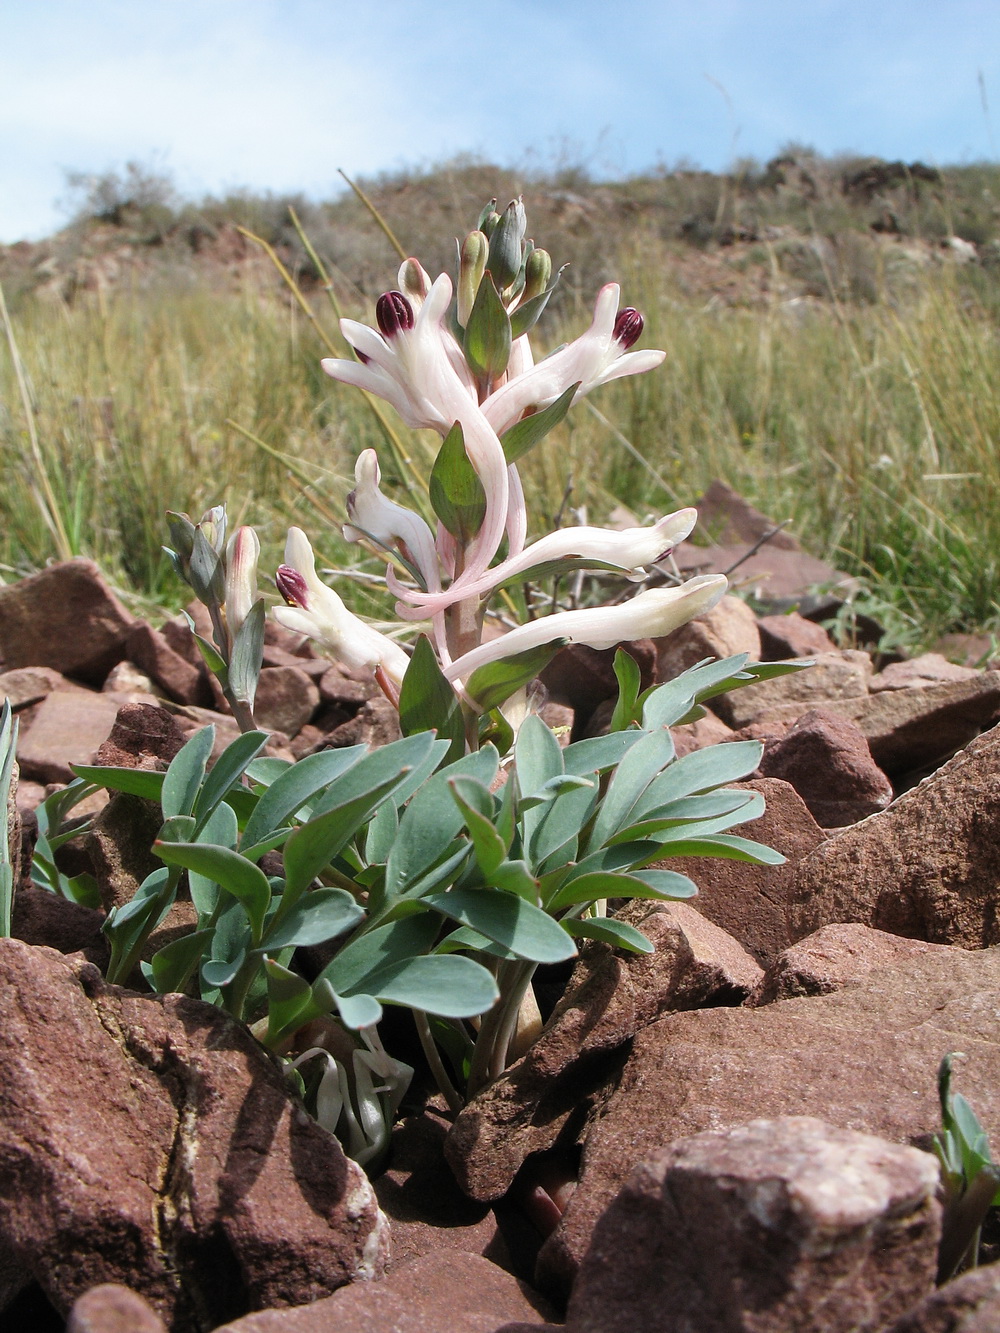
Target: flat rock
(149, 1141)
(143, 736)
(43, 918)
(827, 760)
(68, 727)
(65, 617)
(864, 1058)
(775, 1225)
(729, 628)
(832, 957)
(843, 674)
(375, 723)
(771, 574)
(708, 730)
(175, 673)
(919, 673)
(928, 867)
(969, 1304)
(751, 902)
(27, 685)
(439, 1293)
(611, 996)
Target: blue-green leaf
(318, 916)
(133, 781)
(510, 920)
(294, 785)
(366, 953)
(638, 767)
(493, 684)
(444, 984)
(238, 876)
(611, 931)
(427, 702)
(227, 770)
(184, 777)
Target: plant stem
(243, 714)
(451, 1096)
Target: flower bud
(213, 526)
(242, 554)
(181, 534)
(628, 326)
(537, 274)
(393, 313)
(414, 281)
(505, 245)
(488, 218)
(471, 267)
(292, 586)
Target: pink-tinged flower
(375, 515)
(633, 550)
(597, 356)
(650, 614)
(242, 554)
(415, 364)
(313, 608)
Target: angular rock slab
(149, 1141)
(610, 997)
(969, 1304)
(928, 867)
(865, 1058)
(443, 1293)
(777, 1225)
(65, 617)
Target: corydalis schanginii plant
(464, 368)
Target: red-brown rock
(827, 760)
(143, 736)
(67, 728)
(112, 1308)
(928, 867)
(375, 723)
(442, 1293)
(175, 673)
(286, 699)
(782, 637)
(837, 675)
(831, 958)
(775, 1225)
(969, 1304)
(864, 1058)
(610, 998)
(149, 1141)
(28, 685)
(729, 628)
(584, 677)
(920, 673)
(65, 617)
(751, 902)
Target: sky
(278, 94)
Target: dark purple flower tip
(393, 312)
(292, 586)
(628, 326)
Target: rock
(969, 1304)
(67, 729)
(827, 760)
(864, 1058)
(919, 673)
(751, 902)
(148, 1140)
(65, 617)
(336, 686)
(127, 680)
(837, 675)
(143, 736)
(730, 627)
(27, 685)
(286, 699)
(928, 867)
(376, 723)
(611, 997)
(226, 727)
(770, 575)
(112, 1308)
(175, 673)
(731, 519)
(179, 638)
(43, 918)
(776, 1225)
(911, 728)
(583, 677)
(782, 637)
(559, 718)
(120, 847)
(439, 1293)
(971, 650)
(427, 1211)
(831, 958)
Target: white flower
(632, 550)
(389, 523)
(650, 614)
(597, 356)
(316, 610)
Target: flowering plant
(449, 864)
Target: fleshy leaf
(427, 701)
(525, 434)
(456, 493)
